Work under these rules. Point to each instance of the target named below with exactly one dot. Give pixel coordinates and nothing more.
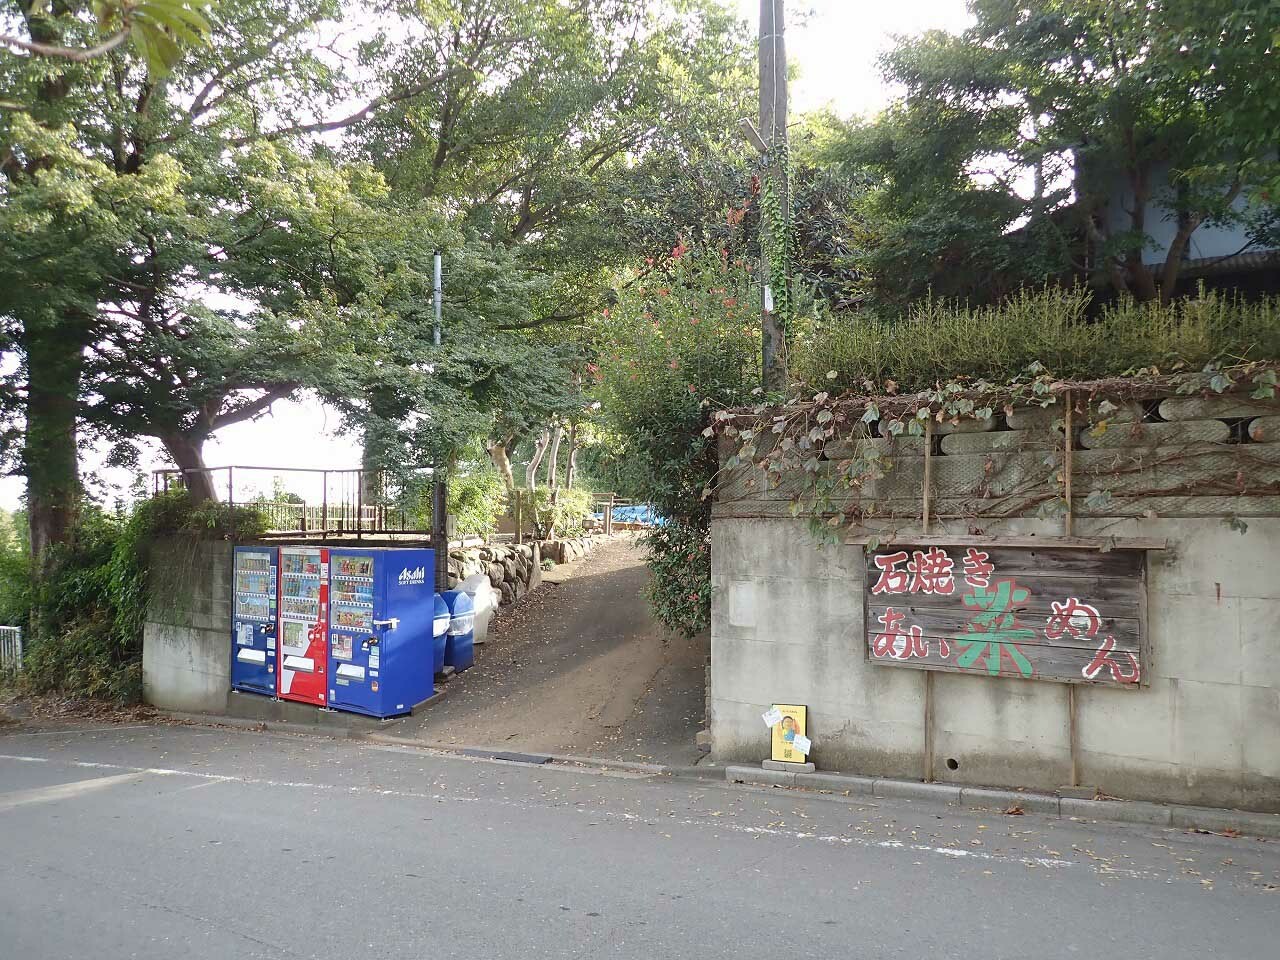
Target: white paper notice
(772, 717)
(244, 634)
(802, 744)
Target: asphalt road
(173, 842)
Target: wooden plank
(1036, 613)
(1059, 664)
(953, 622)
(1103, 544)
(1030, 562)
(1119, 598)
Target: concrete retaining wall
(186, 641)
(787, 626)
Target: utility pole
(439, 490)
(775, 224)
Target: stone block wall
(514, 569)
(787, 626)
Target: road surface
(174, 842)
(579, 669)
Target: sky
(835, 45)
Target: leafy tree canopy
(1052, 137)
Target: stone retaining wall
(514, 569)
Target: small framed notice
(789, 733)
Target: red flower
(674, 364)
(729, 302)
(692, 388)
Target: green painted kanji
(994, 632)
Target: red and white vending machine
(303, 661)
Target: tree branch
(253, 407)
(377, 103)
(65, 53)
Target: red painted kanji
(931, 572)
(1079, 620)
(978, 568)
(1120, 672)
(892, 580)
(893, 642)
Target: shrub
(477, 498)
(680, 574)
(1059, 328)
(89, 608)
(678, 349)
(565, 517)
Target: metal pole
(928, 473)
(439, 536)
(1068, 427)
(435, 297)
(773, 129)
(324, 503)
(359, 503)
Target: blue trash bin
(439, 634)
(460, 651)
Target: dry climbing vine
(836, 445)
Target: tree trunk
(187, 452)
(572, 468)
(497, 450)
(55, 364)
(531, 471)
(553, 478)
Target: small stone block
(787, 766)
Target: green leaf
(872, 414)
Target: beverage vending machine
(304, 618)
(380, 642)
(253, 620)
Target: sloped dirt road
(578, 668)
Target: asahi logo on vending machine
(411, 577)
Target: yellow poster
(789, 726)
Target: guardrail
(10, 649)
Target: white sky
(835, 44)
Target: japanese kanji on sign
(1068, 615)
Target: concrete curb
(1207, 819)
(561, 760)
(268, 726)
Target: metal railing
(319, 502)
(10, 649)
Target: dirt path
(579, 668)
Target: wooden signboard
(1038, 613)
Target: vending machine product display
(380, 630)
(304, 618)
(253, 620)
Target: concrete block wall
(787, 626)
(186, 641)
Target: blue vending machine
(381, 604)
(253, 620)
(460, 649)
